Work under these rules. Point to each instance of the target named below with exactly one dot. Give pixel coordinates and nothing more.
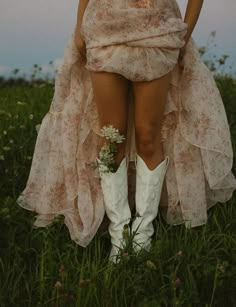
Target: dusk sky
(35, 32)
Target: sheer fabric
(141, 41)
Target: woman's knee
(147, 137)
(110, 95)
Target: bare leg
(110, 92)
(150, 99)
(111, 96)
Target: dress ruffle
(195, 135)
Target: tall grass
(185, 267)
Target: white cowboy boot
(147, 196)
(115, 191)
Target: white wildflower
(6, 148)
(103, 168)
(21, 103)
(31, 116)
(4, 132)
(105, 160)
(42, 85)
(105, 154)
(112, 134)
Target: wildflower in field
(58, 284)
(222, 269)
(41, 85)
(4, 132)
(61, 268)
(180, 253)
(82, 282)
(6, 148)
(11, 141)
(177, 281)
(31, 116)
(102, 168)
(21, 103)
(105, 161)
(112, 134)
(150, 265)
(106, 154)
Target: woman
(131, 65)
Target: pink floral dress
(139, 39)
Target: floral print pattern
(142, 3)
(139, 39)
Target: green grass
(43, 267)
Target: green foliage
(218, 64)
(21, 109)
(43, 267)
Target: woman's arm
(191, 16)
(81, 8)
(79, 42)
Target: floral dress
(139, 39)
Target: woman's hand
(191, 16)
(80, 43)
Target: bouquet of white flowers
(105, 161)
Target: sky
(37, 32)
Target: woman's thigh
(149, 101)
(111, 97)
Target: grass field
(43, 267)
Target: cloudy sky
(37, 31)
